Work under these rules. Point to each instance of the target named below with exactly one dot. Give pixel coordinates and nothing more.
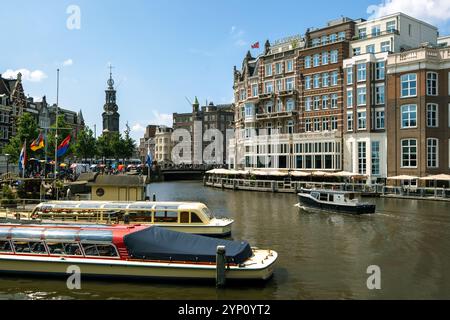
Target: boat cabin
(335, 196)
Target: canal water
(321, 256)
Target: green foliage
(27, 130)
(86, 145)
(8, 197)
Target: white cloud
(138, 128)
(237, 35)
(163, 119)
(27, 75)
(436, 12)
(68, 63)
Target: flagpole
(56, 132)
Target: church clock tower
(110, 115)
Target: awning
(438, 177)
(299, 174)
(273, 173)
(346, 174)
(403, 177)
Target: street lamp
(7, 162)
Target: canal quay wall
(294, 187)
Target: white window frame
(361, 72)
(359, 94)
(334, 56)
(385, 45)
(349, 75)
(362, 119)
(430, 163)
(325, 99)
(409, 126)
(308, 82)
(350, 98)
(267, 85)
(334, 78)
(308, 104)
(409, 153)
(436, 115)
(334, 101)
(316, 81)
(405, 78)
(290, 65)
(430, 81)
(308, 62)
(325, 80)
(377, 70)
(255, 93)
(325, 58)
(350, 121)
(278, 68)
(380, 114)
(316, 60)
(290, 84)
(378, 101)
(268, 70)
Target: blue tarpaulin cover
(155, 243)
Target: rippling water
(321, 256)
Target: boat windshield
(208, 212)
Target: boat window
(331, 198)
(351, 196)
(90, 250)
(60, 249)
(208, 213)
(184, 217)
(5, 246)
(141, 216)
(72, 249)
(195, 218)
(107, 251)
(166, 216)
(30, 247)
(323, 197)
(315, 195)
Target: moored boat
(189, 217)
(126, 251)
(335, 201)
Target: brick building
(418, 112)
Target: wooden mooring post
(220, 266)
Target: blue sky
(163, 51)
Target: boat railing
(289, 186)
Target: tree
(27, 130)
(129, 144)
(86, 145)
(104, 149)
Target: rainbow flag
(23, 157)
(62, 148)
(38, 143)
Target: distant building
(147, 142)
(13, 104)
(111, 117)
(163, 144)
(200, 120)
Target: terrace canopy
(299, 174)
(403, 177)
(438, 177)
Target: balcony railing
(263, 96)
(271, 115)
(421, 54)
(376, 35)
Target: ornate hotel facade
(318, 101)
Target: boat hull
(13, 264)
(307, 201)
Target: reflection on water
(321, 255)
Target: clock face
(110, 82)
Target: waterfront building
(365, 138)
(163, 144)
(13, 104)
(200, 123)
(418, 112)
(289, 102)
(111, 117)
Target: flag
(149, 159)
(62, 148)
(23, 157)
(255, 46)
(38, 143)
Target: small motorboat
(335, 201)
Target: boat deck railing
(290, 186)
(297, 186)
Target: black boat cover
(155, 243)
